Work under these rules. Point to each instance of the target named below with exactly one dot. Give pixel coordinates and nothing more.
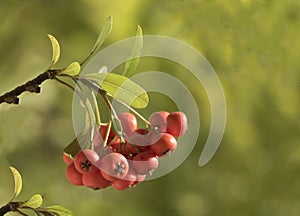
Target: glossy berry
(103, 130)
(126, 149)
(99, 138)
(128, 180)
(73, 176)
(128, 122)
(166, 144)
(158, 121)
(85, 161)
(176, 124)
(67, 159)
(139, 179)
(126, 163)
(145, 162)
(114, 166)
(141, 138)
(95, 180)
(119, 148)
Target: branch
(30, 86)
(13, 206)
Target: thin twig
(97, 113)
(133, 110)
(104, 94)
(81, 97)
(12, 206)
(21, 213)
(12, 97)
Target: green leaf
(90, 117)
(121, 88)
(134, 59)
(18, 181)
(59, 210)
(116, 124)
(55, 49)
(72, 70)
(105, 32)
(84, 138)
(44, 212)
(34, 202)
(73, 148)
(37, 213)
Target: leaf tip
(110, 18)
(18, 181)
(55, 48)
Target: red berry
(95, 180)
(128, 122)
(122, 184)
(97, 139)
(67, 159)
(145, 162)
(139, 179)
(158, 121)
(73, 176)
(176, 124)
(118, 147)
(85, 161)
(114, 166)
(166, 144)
(133, 149)
(103, 131)
(142, 131)
(123, 148)
(141, 138)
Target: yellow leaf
(34, 202)
(18, 181)
(55, 49)
(72, 70)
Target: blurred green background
(252, 45)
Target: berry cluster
(123, 162)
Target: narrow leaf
(83, 139)
(18, 181)
(134, 58)
(72, 70)
(37, 212)
(117, 124)
(45, 212)
(105, 32)
(34, 202)
(59, 210)
(121, 88)
(55, 49)
(90, 117)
